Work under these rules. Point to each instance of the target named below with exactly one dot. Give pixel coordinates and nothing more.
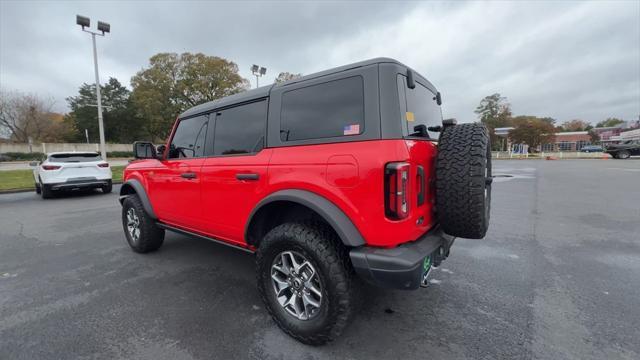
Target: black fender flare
(333, 215)
(139, 190)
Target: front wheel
(140, 229)
(305, 279)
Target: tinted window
(189, 138)
(76, 157)
(240, 130)
(335, 108)
(421, 107)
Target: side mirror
(144, 150)
(34, 163)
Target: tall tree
(286, 76)
(173, 83)
(121, 125)
(495, 112)
(532, 131)
(27, 116)
(610, 122)
(575, 125)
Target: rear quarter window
(331, 109)
(418, 107)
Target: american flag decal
(352, 129)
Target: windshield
(419, 107)
(75, 157)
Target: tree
(532, 131)
(173, 83)
(27, 116)
(286, 76)
(121, 125)
(495, 112)
(610, 122)
(575, 125)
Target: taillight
(103, 165)
(50, 167)
(396, 190)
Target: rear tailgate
(422, 157)
(80, 170)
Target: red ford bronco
(344, 174)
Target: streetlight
(103, 28)
(258, 72)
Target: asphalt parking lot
(557, 277)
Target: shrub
(16, 156)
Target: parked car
(327, 178)
(61, 171)
(624, 150)
(592, 148)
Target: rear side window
(330, 109)
(241, 129)
(77, 157)
(189, 139)
(420, 107)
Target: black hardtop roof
(264, 91)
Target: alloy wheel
(133, 224)
(297, 285)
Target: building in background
(568, 141)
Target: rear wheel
(624, 154)
(463, 180)
(38, 191)
(45, 191)
(139, 228)
(306, 281)
(107, 188)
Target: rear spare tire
(463, 180)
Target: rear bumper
(79, 184)
(401, 267)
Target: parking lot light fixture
(104, 28)
(258, 71)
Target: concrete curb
(15, 191)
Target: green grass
(23, 179)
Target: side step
(189, 233)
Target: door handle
(247, 177)
(188, 175)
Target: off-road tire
(623, 154)
(319, 244)
(151, 237)
(463, 180)
(107, 188)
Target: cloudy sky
(565, 60)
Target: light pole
(258, 71)
(103, 28)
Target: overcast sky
(565, 60)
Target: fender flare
(333, 215)
(138, 188)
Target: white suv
(71, 171)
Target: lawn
(23, 179)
